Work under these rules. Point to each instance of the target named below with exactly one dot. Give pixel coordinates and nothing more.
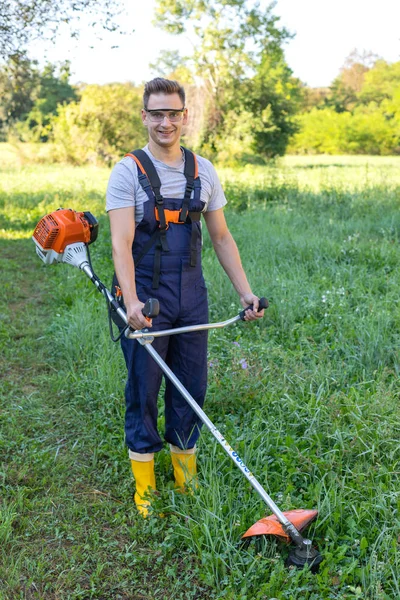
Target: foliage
(366, 131)
(237, 54)
(361, 115)
(19, 78)
(23, 21)
(171, 65)
(345, 89)
(30, 96)
(101, 127)
(381, 82)
(274, 98)
(308, 397)
(320, 132)
(314, 97)
(371, 132)
(235, 143)
(262, 123)
(53, 90)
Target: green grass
(315, 415)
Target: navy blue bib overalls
(182, 294)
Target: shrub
(99, 128)
(368, 130)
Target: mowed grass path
(309, 397)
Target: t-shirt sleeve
(121, 189)
(216, 196)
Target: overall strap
(149, 176)
(191, 173)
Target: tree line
(358, 114)
(245, 103)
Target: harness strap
(190, 172)
(149, 172)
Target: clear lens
(157, 116)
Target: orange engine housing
(57, 230)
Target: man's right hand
(136, 318)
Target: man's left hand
(251, 314)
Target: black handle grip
(262, 304)
(151, 308)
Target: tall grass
(308, 397)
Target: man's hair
(159, 85)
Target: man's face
(164, 133)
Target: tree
(381, 82)
(275, 97)
(22, 21)
(314, 97)
(347, 86)
(19, 79)
(30, 96)
(232, 40)
(172, 65)
(53, 89)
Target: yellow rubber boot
(143, 472)
(185, 468)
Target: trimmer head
(306, 555)
(300, 555)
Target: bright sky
(326, 32)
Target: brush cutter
(63, 237)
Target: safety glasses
(157, 116)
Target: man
(154, 199)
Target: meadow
(308, 397)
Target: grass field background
(314, 414)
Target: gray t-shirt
(124, 189)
